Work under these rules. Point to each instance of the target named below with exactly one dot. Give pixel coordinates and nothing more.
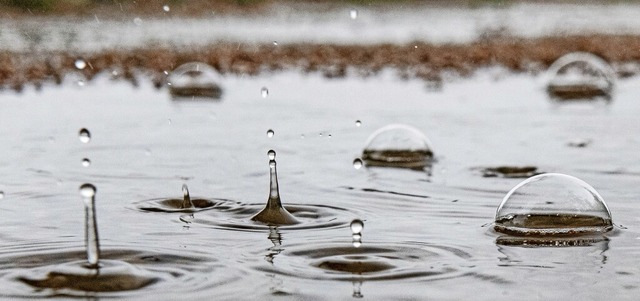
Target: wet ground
(425, 232)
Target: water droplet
(86, 162)
(1, 194)
(274, 213)
(88, 190)
(92, 244)
(580, 76)
(194, 79)
(166, 8)
(358, 123)
(186, 202)
(302, 136)
(270, 133)
(398, 145)
(552, 204)
(356, 226)
(329, 136)
(137, 21)
(275, 43)
(114, 73)
(84, 135)
(357, 163)
(264, 92)
(353, 14)
(80, 64)
(272, 154)
(147, 152)
(81, 83)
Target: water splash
(264, 92)
(356, 230)
(88, 192)
(270, 133)
(357, 290)
(274, 213)
(84, 135)
(186, 203)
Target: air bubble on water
(264, 92)
(137, 21)
(357, 163)
(274, 213)
(358, 123)
(86, 162)
(552, 204)
(80, 64)
(580, 76)
(353, 14)
(271, 154)
(186, 201)
(166, 8)
(194, 79)
(398, 145)
(84, 135)
(270, 133)
(88, 192)
(356, 231)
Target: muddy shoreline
(414, 60)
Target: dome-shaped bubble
(194, 79)
(553, 204)
(580, 76)
(397, 145)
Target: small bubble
(86, 162)
(1, 194)
(358, 123)
(357, 163)
(84, 135)
(137, 21)
(270, 133)
(80, 64)
(264, 92)
(272, 154)
(353, 14)
(166, 8)
(356, 226)
(87, 190)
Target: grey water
(427, 233)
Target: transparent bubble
(270, 133)
(358, 123)
(356, 226)
(580, 76)
(80, 64)
(86, 162)
(552, 204)
(353, 14)
(264, 92)
(84, 135)
(357, 163)
(166, 8)
(398, 145)
(194, 79)
(87, 190)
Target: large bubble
(194, 79)
(398, 145)
(580, 76)
(553, 204)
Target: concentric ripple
(371, 261)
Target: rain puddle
(296, 186)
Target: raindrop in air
(270, 133)
(398, 145)
(356, 231)
(1, 194)
(186, 203)
(358, 123)
(357, 163)
(580, 76)
(353, 14)
(166, 8)
(137, 21)
(274, 213)
(80, 64)
(194, 79)
(86, 162)
(88, 192)
(264, 92)
(552, 204)
(84, 135)
(81, 83)
(275, 43)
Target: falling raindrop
(264, 92)
(275, 43)
(274, 213)
(1, 194)
(186, 202)
(80, 83)
(86, 162)
(301, 136)
(353, 14)
(356, 229)
(357, 163)
(88, 193)
(137, 21)
(166, 8)
(80, 64)
(84, 135)
(270, 133)
(358, 123)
